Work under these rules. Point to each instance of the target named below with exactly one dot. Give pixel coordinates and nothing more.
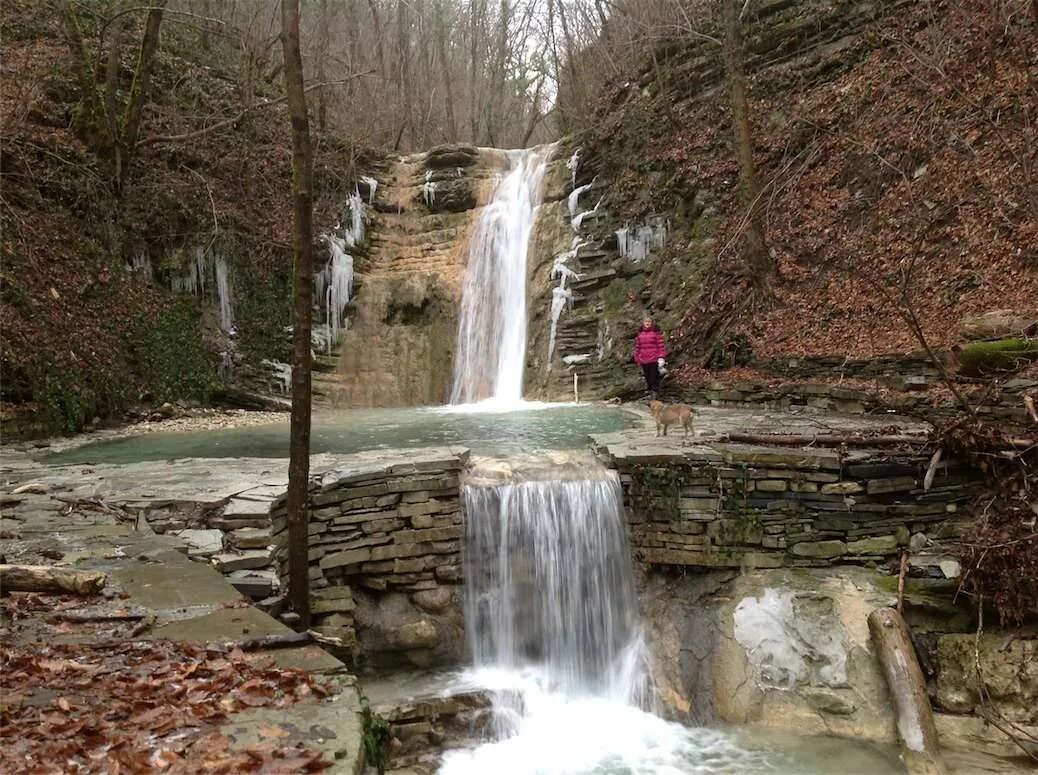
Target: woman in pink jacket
(649, 352)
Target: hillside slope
(898, 148)
(88, 323)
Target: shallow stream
(487, 429)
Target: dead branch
(827, 439)
(239, 116)
(264, 642)
(87, 617)
(46, 578)
(1029, 406)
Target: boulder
(433, 600)
(998, 323)
(417, 635)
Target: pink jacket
(648, 346)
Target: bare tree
(302, 233)
(755, 249)
(110, 131)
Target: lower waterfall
(555, 635)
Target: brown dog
(671, 414)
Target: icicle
(429, 189)
(605, 342)
(637, 243)
(572, 165)
(223, 294)
(337, 287)
(561, 272)
(574, 198)
(621, 241)
(571, 360)
(578, 219)
(140, 264)
(372, 185)
(560, 299)
(354, 233)
(282, 372)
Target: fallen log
(86, 617)
(915, 725)
(263, 642)
(47, 578)
(828, 439)
(848, 440)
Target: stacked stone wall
(733, 505)
(384, 540)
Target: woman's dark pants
(652, 376)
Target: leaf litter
(147, 706)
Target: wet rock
(433, 600)
(250, 538)
(417, 635)
(950, 568)
(253, 558)
(202, 543)
(257, 584)
(874, 545)
(820, 549)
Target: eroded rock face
(1007, 678)
(778, 648)
(393, 632)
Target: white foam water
(554, 635)
(491, 350)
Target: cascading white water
(548, 577)
(491, 350)
(555, 636)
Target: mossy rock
(980, 358)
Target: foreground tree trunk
(758, 262)
(302, 200)
(915, 724)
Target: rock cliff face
(836, 91)
(398, 349)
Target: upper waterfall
(491, 350)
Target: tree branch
(238, 117)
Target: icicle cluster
(140, 265)
(194, 282)
(372, 185)
(573, 165)
(637, 242)
(334, 283)
(281, 373)
(429, 189)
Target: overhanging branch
(238, 117)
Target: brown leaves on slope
(141, 707)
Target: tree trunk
(45, 578)
(448, 81)
(758, 262)
(302, 199)
(323, 44)
(915, 724)
(131, 125)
